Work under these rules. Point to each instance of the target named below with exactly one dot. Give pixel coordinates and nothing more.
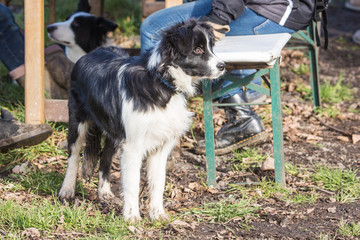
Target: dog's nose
(221, 66)
(51, 28)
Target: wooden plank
(52, 10)
(56, 110)
(97, 7)
(172, 3)
(150, 7)
(34, 61)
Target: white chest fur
(152, 128)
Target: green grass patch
(304, 90)
(46, 183)
(349, 229)
(247, 157)
(344, 183)
(302, 69)
(226, 210)
(328, 111)
(269, 189)
(339, 92)
(49, 216)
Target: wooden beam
(97, 7)
(52, 10)
(56, 110)
(151, 7)
(172, 3)
(34, 61)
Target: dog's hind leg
(131, 159)
(156, 174)
(104, 188)
(77, 133)
(91, 151)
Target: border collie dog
(82, 32)
(140, 104)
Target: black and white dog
(140, 103)
(82, 32)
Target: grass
(48, 215)
(339, 92)
(269, 189)
(328, 111)
(247, 157)
(226, 210)
(329, 93)
(302, 69)
(349, 229)
(344, 183)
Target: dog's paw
(105, 195)
(131, 216)
(66, 194)
(87, 171)
(156, 214)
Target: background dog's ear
(106, 25)
(182, 39)
(83, 6)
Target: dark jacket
(300, 15)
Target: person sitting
(233, 18)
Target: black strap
(321, 7)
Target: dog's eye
(198, 51)
(75, 24)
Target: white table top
(251, 48)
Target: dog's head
(188, 48)
(81, 29)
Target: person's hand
(219, 26)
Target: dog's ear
(182, 39)
(83, 6)
(105, 24)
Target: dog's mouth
(58, 41)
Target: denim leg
(11, 40)
(152, 26)
(249, 23)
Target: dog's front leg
(156, 173)
(77, 133)
(131, 159)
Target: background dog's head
(188, 47)
(81, 29)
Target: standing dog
(139, 102)
(82, 32)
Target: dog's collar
(166, 83)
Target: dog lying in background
(82, 32)
(140, 103)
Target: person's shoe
(353, 5)
(59, 68)
(356, 37)
(15, 134)
(243, 128)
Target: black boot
(243, 128)
(15, 134)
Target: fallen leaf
(355, 138)
(31, 233)
(343, 138)
(310, 210)
(332, 210)
(268, 164)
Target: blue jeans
(249, 23)
(11, 40)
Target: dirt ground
(333, 148)
(308, 141)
